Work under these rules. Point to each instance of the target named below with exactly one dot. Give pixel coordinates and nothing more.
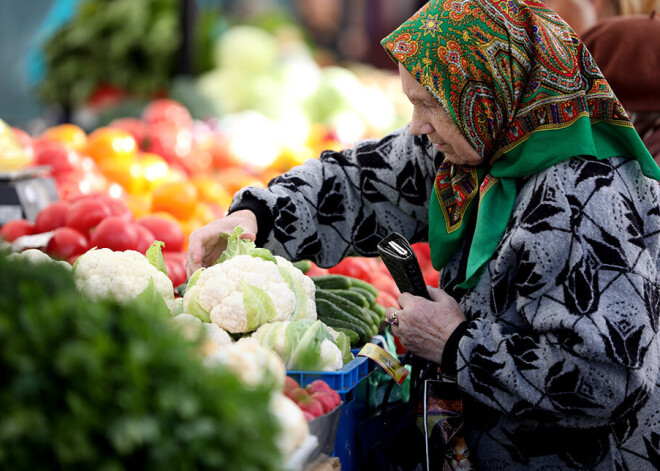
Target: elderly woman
(521, 169)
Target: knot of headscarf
(525, 93)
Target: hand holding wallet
(401, 261)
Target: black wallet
(401, 261)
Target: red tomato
(56, 155)
(12, 230)
(385, 299)
(116, 234)
(167, 111)
(315, 270)
(144, 238)
(385, 283)
(51, 217)
(25, 140)
(357, 267)
(117, 207)
(165, 230)
(66, 243)
(175, 262)
(85, 214)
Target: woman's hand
(205, 245)
(424, 326)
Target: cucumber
(352, 295)
(358, 283)
(379, 310)
(371, 299)
(353, 336)
(332, 281)
(347, 306)
(335, 317)
(303, 265)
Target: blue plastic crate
(354, 411)
(342, 381)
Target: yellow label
(391, 365)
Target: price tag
(391, 365)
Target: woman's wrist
(448, 364)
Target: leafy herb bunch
(87, 385)
(128, 44)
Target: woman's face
(430, 119)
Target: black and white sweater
(560, 359)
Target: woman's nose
(419, 127)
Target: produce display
(98, 291)
(100, 385)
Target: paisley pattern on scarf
(455, 191)
(509, 73)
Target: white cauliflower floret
(191, 328)
(297, 343)
(121, 276)
(218, 293)
(294, 428)
(37, 256)
(254, 364)
(306, 282)
(332, 357)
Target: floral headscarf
(524, 92)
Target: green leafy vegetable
(105, 386)
(238, 246)
(155, 255)
(259, 307)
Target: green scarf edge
(609, 139)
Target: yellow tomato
(139, 204)
(177, 198)
(211, 191)
(155, 169)
(72, 136)
(107, 143)
(235, 178)
(127, 173)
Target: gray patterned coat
(560, 358)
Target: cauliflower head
(294, 429)
(240, 294)
(303, 345)
(121, 276)
(308, 294)
(37, 256)
(254, 364)
(192, 328)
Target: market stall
(106, 197)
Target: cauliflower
(192, 328)
(248, 287)
(294, 427)
(254, 364)
(240, 294)
(121, 276)
(37, 256)
(306, 283)
(304, 345)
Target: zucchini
(353, 296)
(335, 317)
(352, 309)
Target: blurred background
(88, 61)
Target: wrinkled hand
(424, 326)
(205, 245)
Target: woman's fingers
(206, 244)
